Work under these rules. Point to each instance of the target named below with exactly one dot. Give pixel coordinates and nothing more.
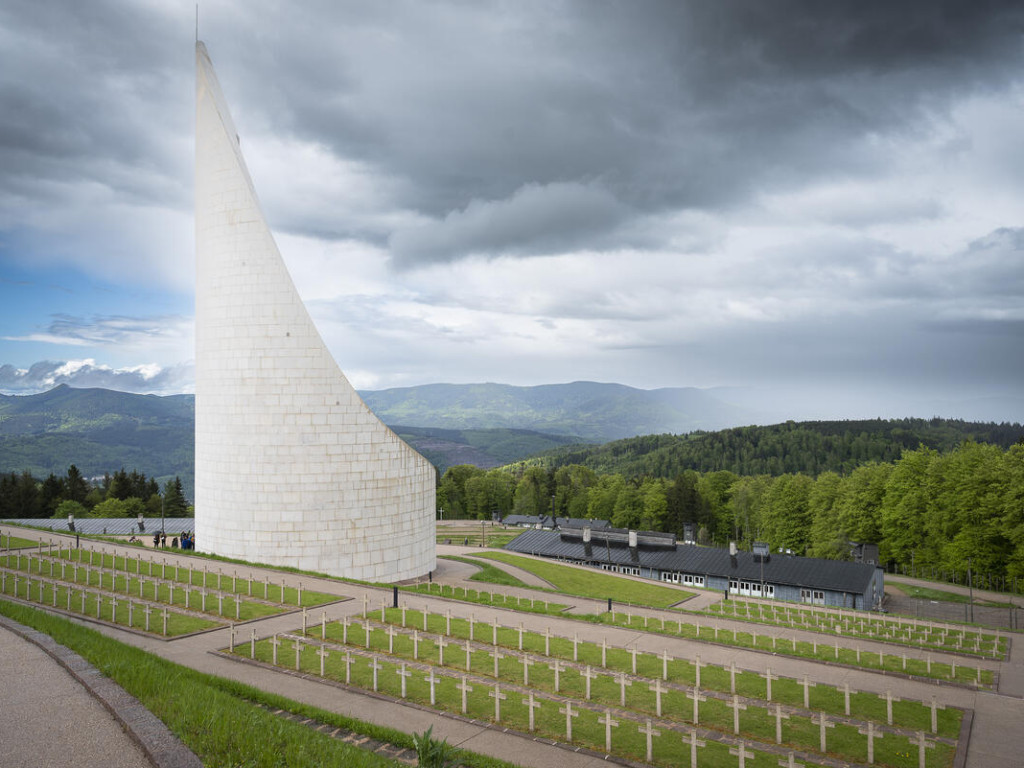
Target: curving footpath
(57, 710)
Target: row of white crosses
(588, 674)
(634, 651)
(84, 595)
(491, 597)
(157, 582)
(532, 703)
(221, 576)
(900, 629)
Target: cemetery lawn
(466, 595)
(488, 573)
(941, 595)
(390, 653)
(15, 542)
(878, 628)
(593, 583)
(908, 714)
(225, 723)
(231, 584)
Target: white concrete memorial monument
(292, 468)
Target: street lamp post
(970, 589)
(163, 524)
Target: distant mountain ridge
(595, 412)
(101, 430)
(98, 430)
(807, 447)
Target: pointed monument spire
(292, 468)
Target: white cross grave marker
(465, 688)
(569, 715)
(530, 705)
(497, 695)
(650, 733)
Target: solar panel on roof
(109, 526)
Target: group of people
(188, 540)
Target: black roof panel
(833, 575)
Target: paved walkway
(450, 570)
(48, 718)
(997, 738)
(56, 709)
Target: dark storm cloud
(677, 105)
(85, 90)
(728, 191)
(660, 106)
(554, 218)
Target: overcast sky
(816, 198)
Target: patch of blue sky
(37, 303)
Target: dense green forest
(809, 447)
(927, 509)
(123, 494)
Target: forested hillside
(99, 431)
(810, 447)
(929, 509)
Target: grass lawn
(941, 595)
(496, 599)
(594, 583)
(100, 605)
(908, 714)
(757, 722)
(488, 573)
(219, 719)
(265, 589)
(16, 542)
(888, 629)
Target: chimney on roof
(732, 549)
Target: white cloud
(144, 379)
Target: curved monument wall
(292, 468)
